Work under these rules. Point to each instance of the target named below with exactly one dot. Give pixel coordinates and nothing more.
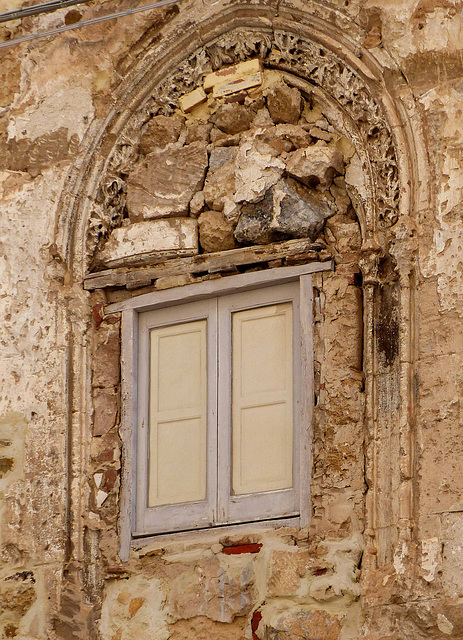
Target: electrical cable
(84, 23)
(37, 9)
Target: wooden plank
(205, 263)
(220, 287)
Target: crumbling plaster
(382, 556)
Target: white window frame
(131, 387)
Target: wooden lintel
(223, 261)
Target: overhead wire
(85, 23)
(37, 9)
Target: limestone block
(452, 562)
(133, 607)
(160, 131)
(164, 182)
(314, 165)
(197, 204)
(166, 237)
(255, 173)
(106, 355)
(286, 569)
(299, 623)
(229, 74)
(219, 594)
(233, 118)
(219, 185)
(198, 132)
(235, 86)
(284, 103)
(221, 156)
(105, 409)
(191, 100)
(215, 232)
(286, 137)
(202, 628)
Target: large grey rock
(315, 165)
(254, 224)
(299, 212)
(288, 210)
(221, 156)
(164, 182)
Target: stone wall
(296, 132)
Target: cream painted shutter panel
(262, 399)
(259, 344)
(178, 414)
(177, 418)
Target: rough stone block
(219, 185)
(164, 182)
(297, 623)
(160, 131)
(256, 171)
(168, 237)
(314, 165)
(299, 212)
(106, 356)
(215, 232)
(233, 118)
(229, 74)
(289, 209)
(202, 628)
(105, 410)
(284, 104)
(285, 571)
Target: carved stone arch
(320, 51)
(302, 44)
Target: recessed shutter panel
(258, 339)
(262, 399)
(178, 414)
(177, 441)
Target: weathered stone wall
(84, 117)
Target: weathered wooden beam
(223, 261)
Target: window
(217, 395)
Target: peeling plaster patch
(60, 108)
(430, 549)
(445, 257)
(399, 558)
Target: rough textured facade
(188, 144)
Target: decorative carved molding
(278, 49)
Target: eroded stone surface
(160, 237)
(164, 183)
(314, 165)
(284, 104)
(215, 232)
(159, 132)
